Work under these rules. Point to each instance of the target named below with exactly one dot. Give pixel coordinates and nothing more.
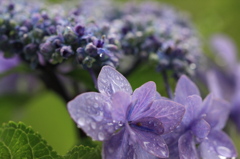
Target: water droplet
(145, 143)
(224, 151)
(93, 125)
(100, 136)
(81, 121)
(98, 116)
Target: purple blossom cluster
(41, 37)
(159, 33)
(142, 124)
(93, 37)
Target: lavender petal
(142, 98)
(110, 81)
(187, 148)
(91, 111)
(185, 87)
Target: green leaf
(17, 141)
(84, 152)
(46, 112)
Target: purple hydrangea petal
(213, 83)
(168, 112)
(110, 81)
(149, 124)
(118, 147)
(142, 98)
(158, 96)
(193, 109)
(140, 153)
(207, 102)
(222, 144)
(225, 48)
(187, 148)
(152, 143)
(201, 129)
(217, 108)
(185, 87)
(91, 111)
(207, 151)
(120, 102)
(236, 109)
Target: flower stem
(166, 84)
(94, 78)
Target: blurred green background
(46, 112)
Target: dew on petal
(145, 143)
(99, 116)
(100, 136)
(224, 151)
(81, 121)
(93, 125)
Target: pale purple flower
(131, 124)
(201, 125)
(225, 82)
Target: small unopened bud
(66, 51)
(91, 49)
(79, 29)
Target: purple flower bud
(91, 49)
(46, 48)
(79, 29)
(11, 7)
(66, 51)
(99, 43)
(80, 54)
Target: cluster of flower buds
(41, 37)
(159, 33)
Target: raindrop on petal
(81, 121)
(100, 136)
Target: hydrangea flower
(41, 35)
(131, 124)
(224, 82)
(160, 33)
(200, 134)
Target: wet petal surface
(187, 148)
(193, 109)
(120, 104)
(118, 147)
(142, 99)
(222, 144)
(168, 112)
(148, 124)
(185, 87)
(91, 111)
(152, 143)
(111, 81)
(201, 128)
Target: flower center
(149, 124)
